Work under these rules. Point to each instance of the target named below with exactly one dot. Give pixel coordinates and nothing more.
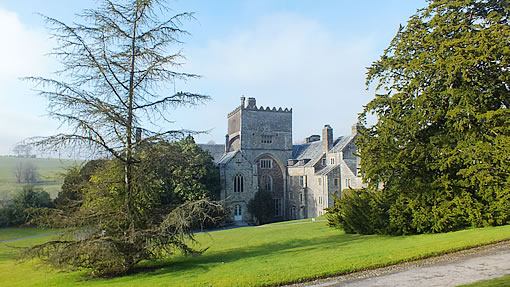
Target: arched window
(267, 182)
(239, 183)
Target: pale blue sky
(307, 55)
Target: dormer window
(324, 161)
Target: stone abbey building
(258, 154)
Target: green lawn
(49, 170)
(498, 282)
(256, 256)
(16, 232)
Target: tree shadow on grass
(202, 263)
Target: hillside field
(50, 174)
(257, 256)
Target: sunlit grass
(255, 256)
(498, 282)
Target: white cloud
(23, 49)
(22, 53)
(290, 61)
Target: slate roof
(309, 151)
(341, 143)
(313, 152)
(327, 169)
(226, 157)
(216, 150)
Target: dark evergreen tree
(261, 206)
(441, 144)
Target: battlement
(252, 105)
(269, 109)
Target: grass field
(257, 256)
(498, 282)
(17, 232)
(49, 171)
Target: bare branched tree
(22, 150)
(26, 172)
(115, 69)
(115, 73)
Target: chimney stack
(242, 102)
(252, 103)
(355, 129)
(227, 145)
(327, 138)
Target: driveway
(454, 269)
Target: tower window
(267, 139)
(266, 163)
(332, 160)
(239, 183)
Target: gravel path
(28, 237)
(463, 267)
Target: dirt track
(453, 269)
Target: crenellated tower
(258, 128)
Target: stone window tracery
(267, 182)
(266, 163)
(239, 183)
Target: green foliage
(441, 144)
(187, 172)
(358, 211)
(106, 239)
(261, 206)
(17, 211)
(75, 180)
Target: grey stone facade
(259, 154)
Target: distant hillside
(49, 169)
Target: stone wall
(238, 165)
(266, 129)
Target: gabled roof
(341, 143)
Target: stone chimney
(355, 129)
(327, 138)
(227, 146)
(252, 103)
(242, 102)
(312, 138)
